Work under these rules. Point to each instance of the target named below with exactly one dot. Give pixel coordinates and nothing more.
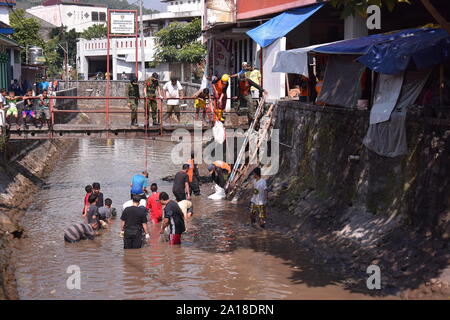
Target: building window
(95, 16)
(102, 16)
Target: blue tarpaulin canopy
(281, 25)
(391, 53)
(425, 48)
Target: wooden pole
(436, 15)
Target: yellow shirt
(255, 76)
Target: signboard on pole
(122, 23)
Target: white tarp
(274, 83)
(295, 60)
(386, 96)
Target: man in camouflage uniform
(133, 100)
(152, 91)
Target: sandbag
(219, 132)
(219, 194)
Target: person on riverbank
(245, 96)
(29, 112)
(98, 193)
(220, 88)
(88, 190)
(43, 109)
(201, 98)
(180, 188)
(194, 176)
(11, 108)
(152, 90)
(133, 100)
(134, 225)
(259, 199)
(173, 218)
(154, 206)
(173, 91)
(80, 231)
(139, 184)
(2, 106)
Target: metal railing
(54, 111)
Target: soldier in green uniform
(133, 100)
(151, 91)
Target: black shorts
(133, 239)
(180, 196)
(142, 195)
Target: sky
(153, 4)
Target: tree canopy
(97, 31)
(26, 33)
(179, 43)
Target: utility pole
(142, 41)
(66, 62)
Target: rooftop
(71, 3)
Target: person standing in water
(173, 218)
(259, 199)
(134, 225)
(154, 206)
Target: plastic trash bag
(219, 194)
(219, 132)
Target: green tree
(179, 43)
(64, 36)
(97, 31)
(26, 33)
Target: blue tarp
(392, 53)
(281, 25)
(426, 48)
(363, 44)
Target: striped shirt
(78, 232)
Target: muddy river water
(220, 258)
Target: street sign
(122, 23)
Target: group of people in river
(249, 83)
(148, 205)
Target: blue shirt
(138, 182)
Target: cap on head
(226, 77)
(155, 75)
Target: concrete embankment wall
(23, 167)
(415, 187)
(393, 212)
(117, 89)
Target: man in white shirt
(259, 199)
(173, 89)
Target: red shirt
(86, 201)
(154, 206)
